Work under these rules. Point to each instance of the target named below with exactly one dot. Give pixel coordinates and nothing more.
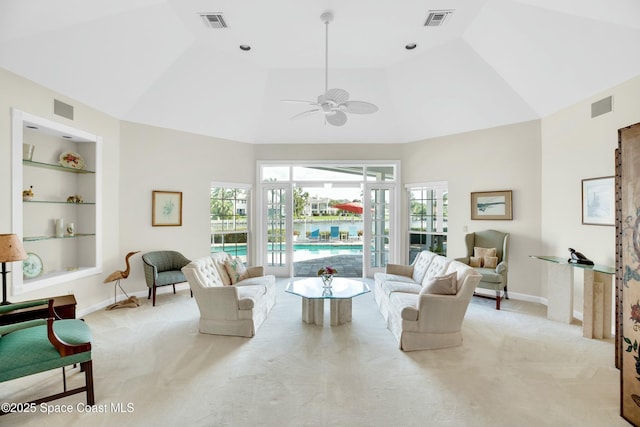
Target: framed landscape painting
(491, 205)
(598, 201)
(166, 208)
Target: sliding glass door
(332, 213)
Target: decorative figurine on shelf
(578, 258)
(116, 276)
(27, 194)
(76, 198)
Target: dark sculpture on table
(579, 258)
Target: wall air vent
(437, 18)
(62, 109)
(604, 106)
(213, 20)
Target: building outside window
(428, 213)
(229, 209)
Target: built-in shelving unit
(76, 252)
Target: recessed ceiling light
(245, 47)
(31, 127)
(411, 46)
(66, 136)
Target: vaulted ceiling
(492, 62)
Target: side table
(64, 306)
(598, 291)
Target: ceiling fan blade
(337, 119)
(358, 107)
(339, 96)
(298, 101)
(305, 113)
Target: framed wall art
(598, 201)
(166, 208)
(491, 205)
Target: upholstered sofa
(424, 304)
(230, 304)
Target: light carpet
(515, 368)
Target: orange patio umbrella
(355, 207)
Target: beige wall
(575, 147)
(29, 97)
(153, 158)
(503, 158)
(541, 161)
(328, 152)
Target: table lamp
(10, 250)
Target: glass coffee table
(313, 296)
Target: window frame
(226, 186)
(434, 240)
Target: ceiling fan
(333, 103)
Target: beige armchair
(493, 278)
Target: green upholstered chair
(39, 345)
(492, 278)
(163, 268)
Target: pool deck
(347, 266)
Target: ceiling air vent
(437, 18)
(213, 20)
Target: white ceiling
(494, 62)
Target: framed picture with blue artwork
(492, 205)
(166, 208)
(598, 201)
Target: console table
(64, 306)
(596, 312)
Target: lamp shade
(11, 248)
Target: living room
(542, 160)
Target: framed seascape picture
(598, 201)
(166, 208)
(491, 205)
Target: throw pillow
(441, 285)
(236, 269)
(475, 261)
(483, 252)
(222, 270)
(490, 261)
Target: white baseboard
(513, 295)
(140, 294)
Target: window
(229, 209)
(428, 212)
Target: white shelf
(33, 220)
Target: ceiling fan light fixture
(333, 103)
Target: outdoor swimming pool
(303, 251)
